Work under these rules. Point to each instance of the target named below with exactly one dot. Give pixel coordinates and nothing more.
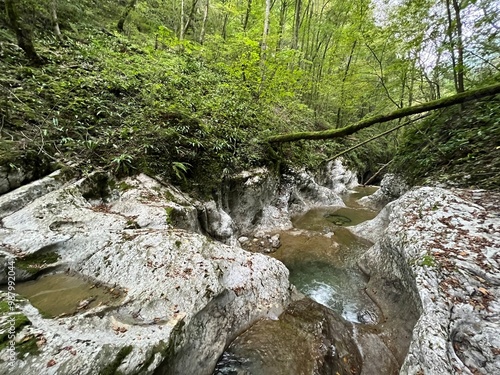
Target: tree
(55, 22)
(204, 23)
(460, 98)
(22, 34)
(126, 12)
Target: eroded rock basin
(61, 294)
(349, 329)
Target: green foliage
(146, 100)
(456, 146)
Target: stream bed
(337, 328)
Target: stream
(337, 328)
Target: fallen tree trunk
(376, 137)
(400, 113)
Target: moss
(28, 347)
(98, 186)
(9, 153)
(123, 186)
(4, 307)
(132, 224)
(161, 348)
(20, 320)
(111, 368)
(33, 263)
(456, 147)
(168, 213)
(428, 261)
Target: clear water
(321, 256)
(58, 294)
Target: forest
(176, 88)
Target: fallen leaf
(484, 291)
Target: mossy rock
(36, 262)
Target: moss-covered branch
(400, 113)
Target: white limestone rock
(391, 188)
(442, 247)
(187, 295)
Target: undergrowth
(457, 146)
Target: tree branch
(463, 97)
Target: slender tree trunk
(281, 31)
(460, 48)
(344, 78)
(247, 15)
(23, 35)
(460, 98)
(224, 26)
(181, 27)
(296, 24)
(190, 17)
(55, 22)
(266, 30)
(452, 44)
(305, 35)
(204, 24)
(125, 14)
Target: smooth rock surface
(391, 188)
(258, 202)
(186, 296)
(337, 177)
(442, 248)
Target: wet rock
(186, 295)
(306, 339)
(441, 249)
(308, 194)
(275, 241)
(247, 195)
(10, 203)
(11, 178)
(258, 201)
(243, 239)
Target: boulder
(337, 177)
(258, 200)
(185, 295)
(441, 248)
(391, 188)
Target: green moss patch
(33, 263)
(111, 369)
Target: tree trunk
(449, 32)
(460, 47)
(344, 78)
(266, 30)
(55, 22)
(247, 15)
(23, 35)
(400, 113)
(224, 26)
(204, 24)
(125, 14)
(181, 27)
(190, 17)
(281, 31)
(296, 24)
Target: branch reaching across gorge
(460, 98)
